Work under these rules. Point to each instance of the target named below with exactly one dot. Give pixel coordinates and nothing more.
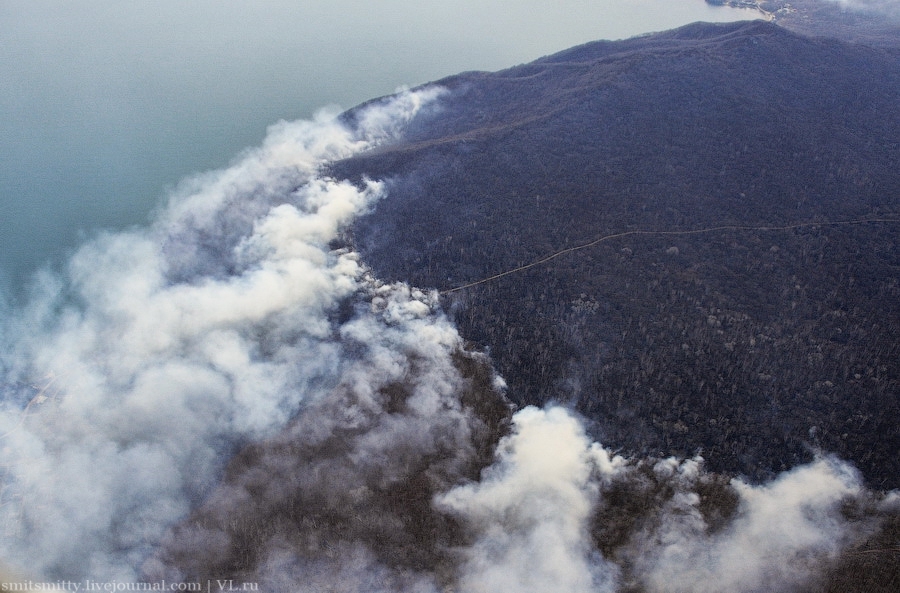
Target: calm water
(106, 106)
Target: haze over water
(107, 106)
(225, 389)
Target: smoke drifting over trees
(233, 393)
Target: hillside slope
(752, 346)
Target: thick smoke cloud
(131, 382)
(346, 489)
(230, 394)
(396, 502)
(780, 538)
(543, 512)
(530, 512)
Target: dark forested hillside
(754, 346)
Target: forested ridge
(753, 348)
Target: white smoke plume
(780, 538)
(530, 513)
(230, 394)
(394, 502)
(349, 483)
(536, 519)
(129, 383)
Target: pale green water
(105, 105)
